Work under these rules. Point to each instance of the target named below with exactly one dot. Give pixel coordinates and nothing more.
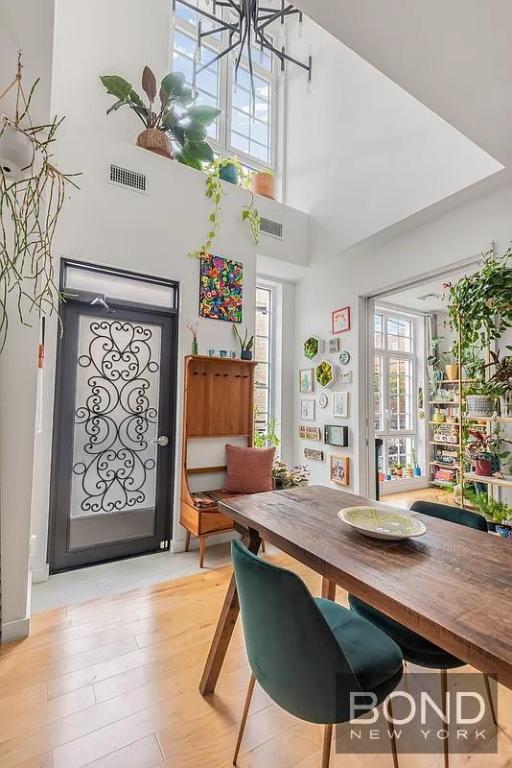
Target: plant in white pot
(170, 118)
(32, 194)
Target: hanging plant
(174, 121)
(482, 302)
(214, 192)
(32, 194)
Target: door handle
(162, 441)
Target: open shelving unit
(444, 437)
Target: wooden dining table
(452, 585)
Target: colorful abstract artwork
(221, 289)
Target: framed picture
(335, 434)
(313, 454)
(341, 320)
(339, 467)
(334, 346)
(220, 291)
(306, 379)
(310, 433)
(346, 377)
(340, 405)
(307, 410)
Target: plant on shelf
(502, 379)
(214, 192)
(288, 477)
(415, 465)
(480, 302)
(481, 398)
(192, 327)
(485, 451)
(496, 512)
(267, 438)
(442, 363)
(246, 344)
(32, 194)
(174, 120)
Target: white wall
(150, 233)
(18, 361)
(405, 251)
(361, 152)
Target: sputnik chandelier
(248, 29)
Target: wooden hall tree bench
(218, 408)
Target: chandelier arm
(212, 32)
(277, 15)
(206, 14)
(219, 56)
(282, 55)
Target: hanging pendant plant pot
(156, 141)
(16, 150)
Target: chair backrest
(451, 514)
(292, 651)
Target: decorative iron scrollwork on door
(114, 460)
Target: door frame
(367, 485)
(166, 464)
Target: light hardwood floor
(113, 684)
(406, 498)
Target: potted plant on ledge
(484, 451)
(174, 120)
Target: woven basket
(156, 141)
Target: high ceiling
(454, 56)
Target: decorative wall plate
(344, 357)
(323, 400)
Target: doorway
(401, 456)
(114, 423)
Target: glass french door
(394, 374)
(114, 434)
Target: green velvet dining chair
(416, 649)
(308, 653)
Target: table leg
(328, 589)
(225, 625)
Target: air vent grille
(127, 178)
(273, 228)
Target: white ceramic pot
(16, 150)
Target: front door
(114, 433)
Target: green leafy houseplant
(481, 302)
(268, 438)
(495, 511)
(173, 120)
(214, 192)
(246, 344)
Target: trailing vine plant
(215, 192)
(30, 207)
(481, 302)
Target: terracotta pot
(156, 141)
(263, 183)
(483, 467)
(452, 371)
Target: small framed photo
(313, 454)
(306, 379)
(340, 405)
(339, 468)
(307, 410)
(346, 377)
(334, 346)
(335, 434)
(341, 320)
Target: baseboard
(39, 575)
(15, 630)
